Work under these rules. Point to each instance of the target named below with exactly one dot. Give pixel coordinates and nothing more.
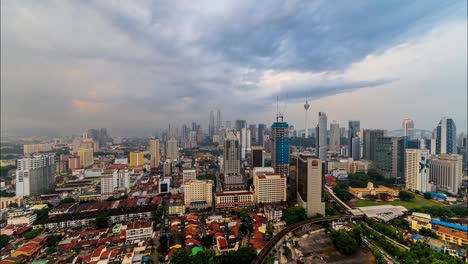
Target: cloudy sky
(133, 66)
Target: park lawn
(417, 202)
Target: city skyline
(57, 75)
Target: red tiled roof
(222, 242)
(98, 251)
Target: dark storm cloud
(156, 59)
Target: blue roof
(438, 195)
(451, 225)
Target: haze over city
(135, 66)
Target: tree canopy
(358, 180)
(406, 196)
(294, 215)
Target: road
(275, 239)
(387, 257)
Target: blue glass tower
(280, 157)
(446, 138)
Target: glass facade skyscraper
(280, 157)
(446, 137)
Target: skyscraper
(353, 129)
(154, 151)
(280, 154)
(356, 148)
(232, 154)
(211, 125)
(257, 157)
(306, 107)
(446, 137)
(322, 135)
(369, 141)
(172, 149)
(240, 124)
(136, 159)
(253, 134)
(446, 172)
(408, 128)
(310, 175)
(86, 156)
(417, 170)
(334, 137)
(218, 122)
(35, 175)
(261, 132)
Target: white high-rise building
(334, 137)
(408, 128)
(270, 188)
(35, 175)
(249, 140)
(417, 170)
(232, 155)
(322, 135)
(446, 172)
(172, 151)
(243, 139)
(114, 178)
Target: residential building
(21, 217)
(188, 175)
(280, 154)
(262, 170)
(86, 157)
(139, 230)
(35, 175)
(321, 137)
(114, 178)
(234, 199)
(419, 220)
(408, 128)
(172, 151)
(446, 137)
(36, 148)
(232, 154)
(353, 128)
(137, 159)
(310, 179)
(450, 232)
(176, 209)
(258, 159)
(417, 170)
(334, 144)
(198, 194)
(446, 172)
(270, 188)
(6, 201)
(154, 151)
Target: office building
(164, 185)
(369, 142)
(234, 200)
(36, 148)
(446, 172)
(189, 175)
(253, 134)
(137, 159)
(353, 128)
(356, 148)
(310, 176)
(257, 157)
(390, 156)
(35, 175)
(86, 157)
(198, 194)
(240, 124)
(446, 137)
(74, 162)
(270, 188)
(334, 137)
(232, 155)
(408, 128)
(322, 135)
(218, 122)
(172, 151)
(261, 132)
(211, 125)
(154, 151)
(280, 153)
(417, 170)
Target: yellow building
(270, 188)
(176, 209)
(371, 190)
(86, 156)
(419, 220)
(136, 159)
(198, 194)
(451, 235)
(154, 151)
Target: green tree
(341, 191)
(4, 239)
(406, 196)
(181, 256)
(163, 245)
(294, 215)
(344, 242)
(358, 180)
(427, 232)
(269, 231)
(13, 205)
(427, 196)
(102, 220)
(50, 250)
(33, 233)
(53, 240)
(207, 241)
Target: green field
(417, 202)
